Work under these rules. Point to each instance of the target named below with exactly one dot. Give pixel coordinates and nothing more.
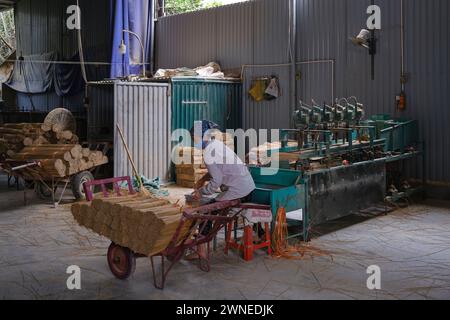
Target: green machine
(283, 189)
(398, 134)
(340, 166)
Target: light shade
(362, 38)
(122, 48)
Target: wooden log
(74, 139)
(72, 168)
(68, 156)
(47, 147)
(76, 152)
(12, 131)
(10, 153)
(41, 140)
(100, 162)
(37, 156)
(54, 166)
(66, 135)
(12, 137)
(86, 152)
(83, 165)
(46, 127)
(28, 142)
(22, 125)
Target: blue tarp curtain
(136, 16)
(39, 73)
(36, 74)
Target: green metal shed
(217, 100)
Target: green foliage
(7, 33)
(180, 6)
(213, 4)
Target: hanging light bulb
(122, 48)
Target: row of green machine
(336, 163)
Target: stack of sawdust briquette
(61, 160)
(146, 225)
(190, 170)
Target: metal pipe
(293, 55)
(153, 43)
(402, 43)
(142, 47)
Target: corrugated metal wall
(256, 32)
(428, 88)
(41, 28)
(100, 111)
(249, 33)
(143, 111)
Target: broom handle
(138, 177)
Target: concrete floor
(411, 246)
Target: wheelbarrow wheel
(121, 261)
(77, 184)
(43, 192)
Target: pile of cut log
(144, 224)
(61, 160)
(15, 136)
(52, 144)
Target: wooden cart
(45, 184)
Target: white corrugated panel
(143, 111)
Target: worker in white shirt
(226, 171)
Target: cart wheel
(42, 191)
(121, 261)
(77, 184)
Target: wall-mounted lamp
(123, 48)
(367, 39)
(362, 39)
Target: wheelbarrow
(205, 223)
(46, 185)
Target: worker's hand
(196, 196)
(199, 185)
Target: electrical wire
(96, 63)
(80, 45)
